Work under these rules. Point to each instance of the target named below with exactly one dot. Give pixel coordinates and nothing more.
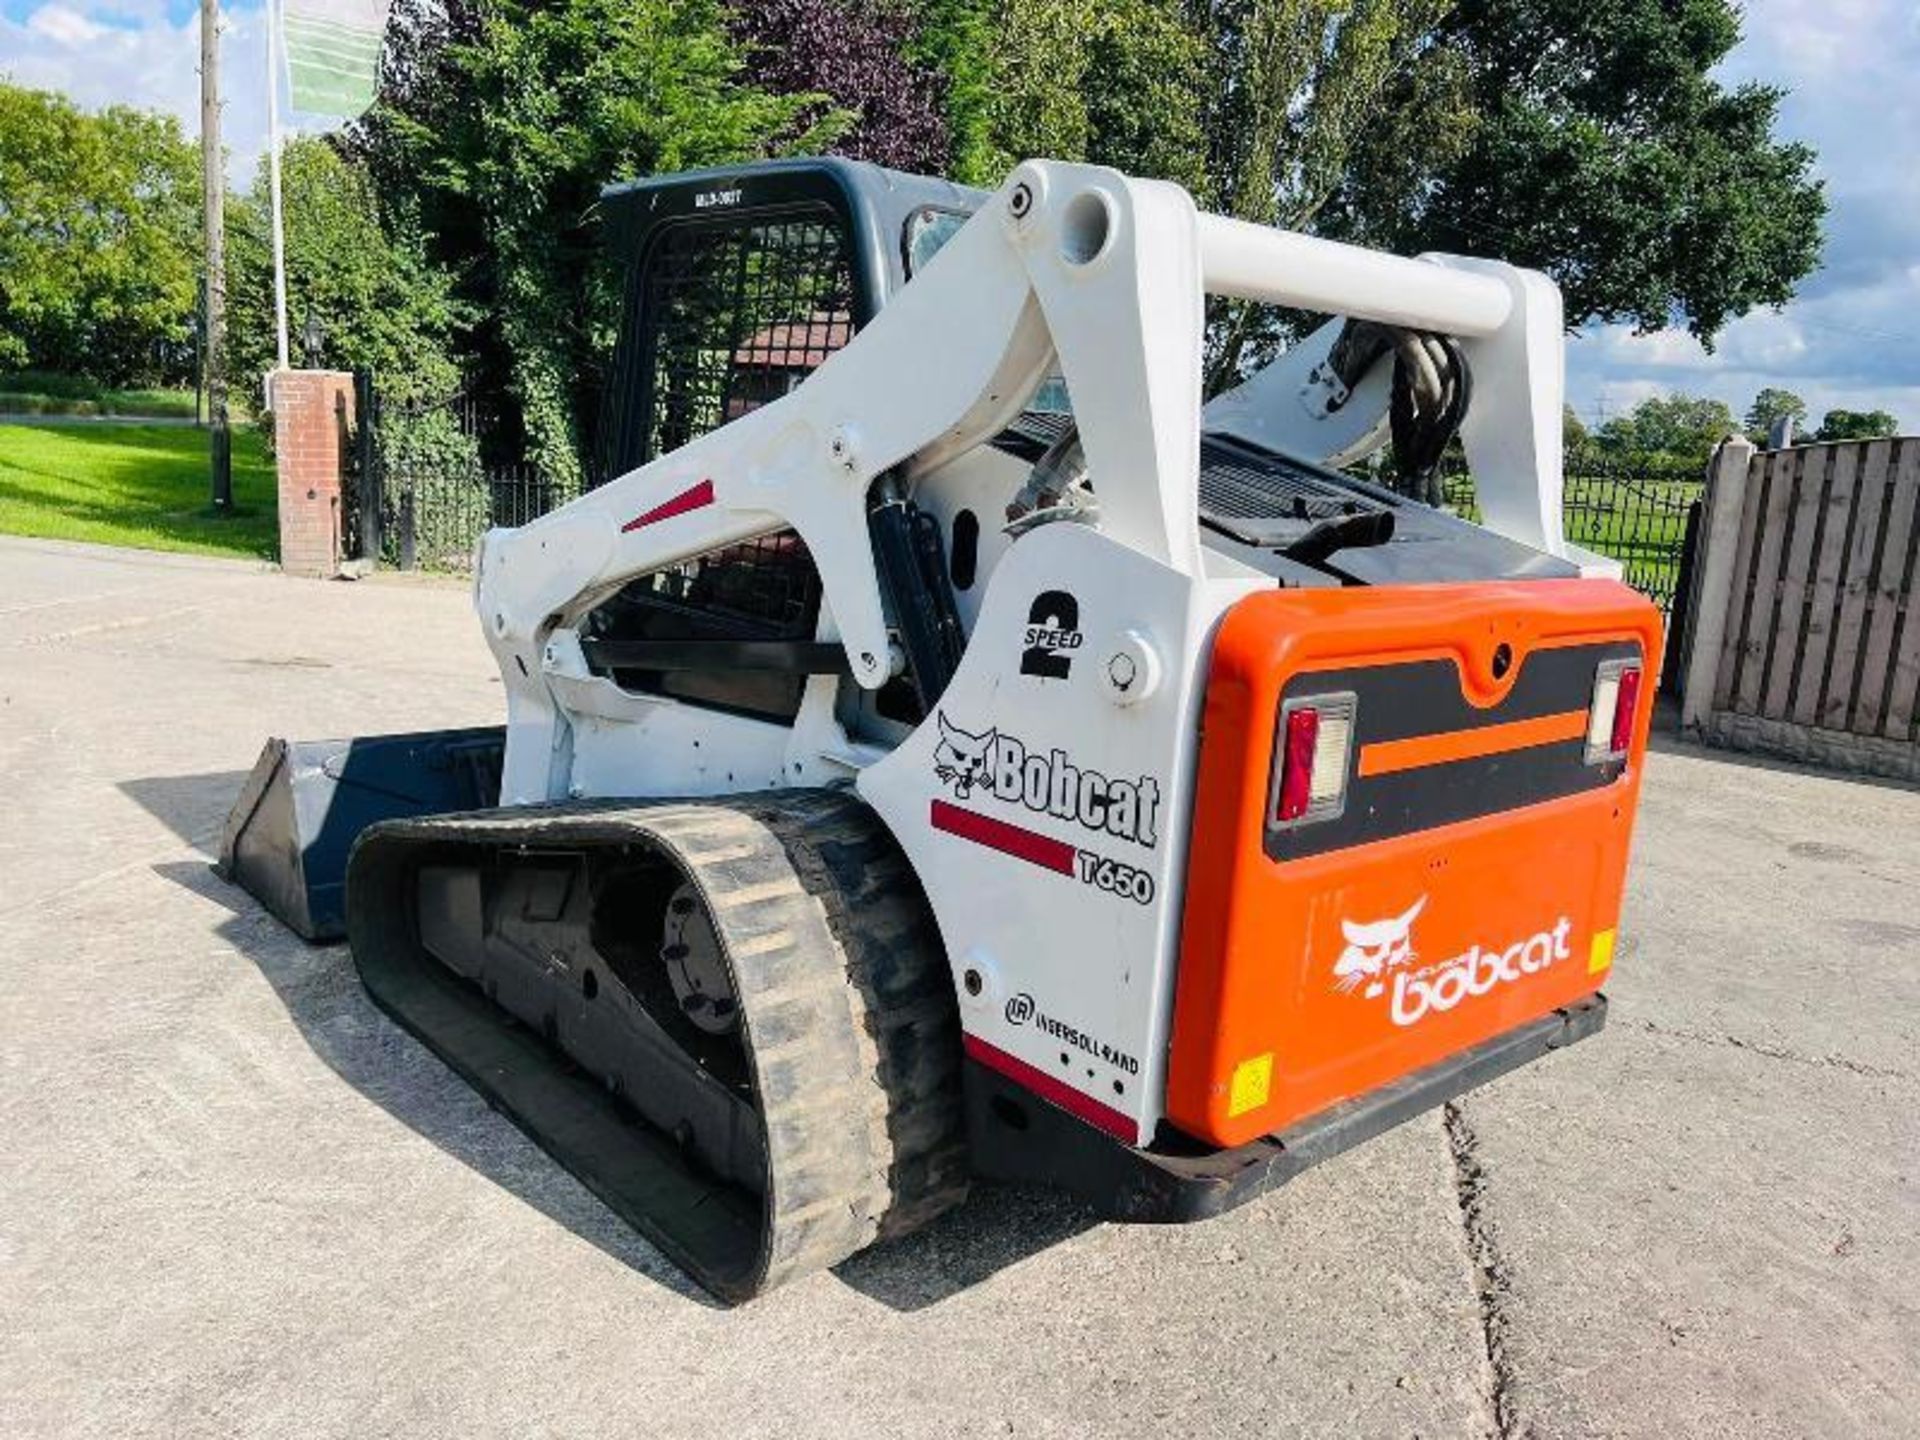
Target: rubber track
(846, 1002)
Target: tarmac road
(237, 1200)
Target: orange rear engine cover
(1472, 881)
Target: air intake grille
(1239, 485)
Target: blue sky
(1851, 339)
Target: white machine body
(1045, 803)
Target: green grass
(42, 392)
(146, 486)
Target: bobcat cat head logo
(1374, 949)
(961, 758)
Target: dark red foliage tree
(854, 53)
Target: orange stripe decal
(1385, 757)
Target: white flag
(333, 53)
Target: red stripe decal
(1053, 1089)
(1014, 840)
(697, 498)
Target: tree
(1254, 105)
(503, 121)
(99, 239)
(1039, 63)
(1602, 150)
(1117, 82)
(1856, 425)
(1575, 439)
(1292, 94)
(850, 56)
(1678, 427)
(1769, 407)
(954, 40)
(1294, 89)
(1145, 65)
(366, 282)
(1583, 137)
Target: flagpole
(273, 183)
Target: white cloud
(127, 52)
(64, 27)
(1662, 350)
(1818, 39)
(1851, 340)
(1765, 340)
(131, 12)
(1835, 370)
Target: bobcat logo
(1374, 949)
(997, 766)
(962, 759)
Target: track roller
(732, 1019)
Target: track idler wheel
(732, 1019)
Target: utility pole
(213, 184)
(273, 187)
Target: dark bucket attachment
(306, 802)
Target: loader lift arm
(1069, 264)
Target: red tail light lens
(1624, 705)
(1616, 698)
(1311, 754)
(1296, 766)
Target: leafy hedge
(40, 392)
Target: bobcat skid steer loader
(945, 750)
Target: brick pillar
(308, 442)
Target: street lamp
(315, 336)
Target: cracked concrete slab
(1719, 1244)
(1775, 908)
(1721, 1238)
(1492, 1278)
(239, 1201)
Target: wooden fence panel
(1758, 623)
(1890, 593)
(1863, 545)
(1789, 624)
(1823, 600)
(1814, 565)
(1740, 590)
(1903, 697)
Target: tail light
(1312, 747)
(1616, 696)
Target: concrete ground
(236, 1200)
